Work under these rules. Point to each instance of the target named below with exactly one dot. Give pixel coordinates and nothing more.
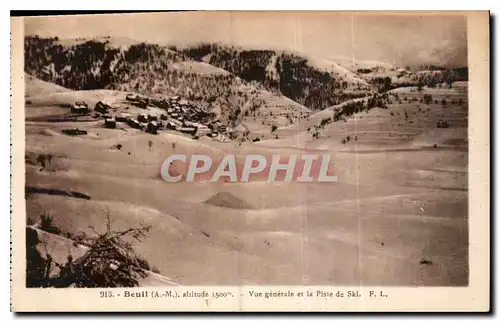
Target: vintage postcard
(251, 161)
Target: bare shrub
(110, 261)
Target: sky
(397, 38)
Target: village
(159, 114)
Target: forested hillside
(286, 73)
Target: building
(135, 124)
(189, 123)
(171, 126)
(141, 103)
(188, 130)
(101, 107)
(79, 109)
(131, 97)
(81, 103)
(177, 123)
(110, 123)
(202, 130)
(152, 127)
(122, 117)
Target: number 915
(106, 294)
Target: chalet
(134, 124)
(152, 127)
(110, 123)
(163, 104)
(140, 125)
(402, 72)
(171, 126)
(141, 103)
(217, 127)
(79, 109)
(202, 130)
(122, 117)
(176, 122)
(131, 97)
(81, 103)
(140, 98)
(157, 102)
(101, 107)
(188, 130)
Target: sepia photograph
(228, 148)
